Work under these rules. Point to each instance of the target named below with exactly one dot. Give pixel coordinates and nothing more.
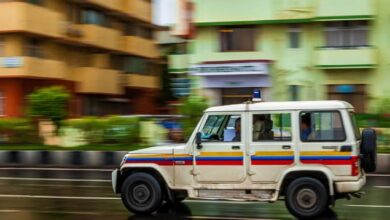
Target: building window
(34, 48)
(136, 65)
(294, 92)
(2, 46)
(89, 16)
(2, 103)
(237, 38)
(140, 31)
(346, 34)
(272, 127)
(321, 126)
(294, 34)
(36, 2)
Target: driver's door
(221, 156)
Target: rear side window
(321, 126)
(271, 127)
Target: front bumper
(351, 186)
(114, 180)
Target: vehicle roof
(280, 106)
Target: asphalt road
(86, 194)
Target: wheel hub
(141, 193)
(306, 198)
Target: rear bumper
(351, 186)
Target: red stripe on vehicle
(328, 162)
(219, 162)
(272, 162)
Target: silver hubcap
(141, 193)
(306, 198)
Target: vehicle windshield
(355, 126)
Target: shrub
(49, 103)
(113, 129)
(192, 110)
(18, 131)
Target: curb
(61, 158)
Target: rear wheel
(306, 198)
(141, 193)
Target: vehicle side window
(222, 128)
(271, 127)
(321, 126)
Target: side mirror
(198, 140)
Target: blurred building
(103, 51)
(291, 49)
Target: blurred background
(110, 74)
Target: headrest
(268, 124)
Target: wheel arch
(153, 171)
(324, 175)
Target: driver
(237, 128)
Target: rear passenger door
(323, 141)
(271, 144)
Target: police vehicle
(307, 153)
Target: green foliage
(192, 110)
(383, 106)
(50, 103)
(18, 131)
(107, 130)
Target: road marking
(228, 218)
(72, 186)
(378, 175)
(55, 179)
(383, 187)
(370, 206)
(50, 212)
(59, 197)
(55, 169)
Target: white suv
(307, 153)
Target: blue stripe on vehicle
(325, 157)
(272, 157)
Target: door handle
(236, 147)
(286, 147)
(329, 147)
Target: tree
(192, 110)
(49, 103)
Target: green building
(291, 49)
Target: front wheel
(306, 198)
(141, 193)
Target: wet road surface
(86, 194)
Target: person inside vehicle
(237, 128)
(258, 127)
(305, 127)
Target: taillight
(355, 166)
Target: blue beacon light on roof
(256, 96)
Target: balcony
(346, 58)
(141, 47)
(178, 63)
(336, 9)
(99, 36)
(142, 81)
(19, 16)
(108, 4)
(32, 67)
(97, 80)
(139, 9)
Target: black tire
(368, 150)
(141, 193)
(306, 198)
